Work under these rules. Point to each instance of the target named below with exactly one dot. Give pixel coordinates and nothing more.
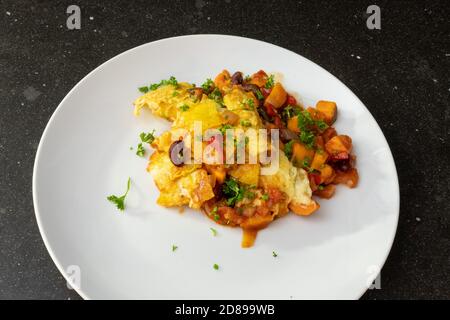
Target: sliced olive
(287, 135)
(237, 78)
(176, 153)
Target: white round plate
(84, 156)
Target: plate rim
(102, 65)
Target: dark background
(401, 75)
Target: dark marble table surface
(400, 72)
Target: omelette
(312, 158)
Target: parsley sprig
(140, 150)
(148, 137)
(270, 82)
(172, 81)
(234, 192)
(120, 201)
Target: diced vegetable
(291, 101)
(328, 134)
(320, 157)
(327, 174)
(218, 171)
(301, 153)
(293, 124)
(277, 96)
(257, 222)
(304, 210)
(339, 147)
(326, 192)
(329, 109)
(316, 115)
(259, 78)
(222, 80)
(246, 173)
(349, 178)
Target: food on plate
(312, 158)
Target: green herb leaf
(140, 150)
(259, 95)
(234, 192)
(144, 89)
(288, 149)
(265, 197)
(208, 85)
(246, 123)
(214, 231)
(320, 187)
(216, 266)
(172, 81)
(184, 107)
(274, 254)
(270, 82)
(174, 247)
(216, 95)
(148, 137)
(223, 129)
(120, 201)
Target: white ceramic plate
(84, 156)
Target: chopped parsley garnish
(207, 85)
(289, 112)
(174, 247)
(305, 122)
(223, 129)
(320, 187)
(143, 89)
(216, 95)
(148, 137)
(172, 81)
(140, 150)
(216, 217)
(306, 162)
(249, 104)
(214, 210)
(270, 82)
(175, 93)
(308, 138)
(234, 192)
(288, 148)
(214, 231)
(274, 254)
(184, 107)
(120, 201)
(247, 78)
(246, 123)
(265, 197)
(259, 95)
(216, 266)
(321, 125)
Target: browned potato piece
(304, 210)
(259, 78)
(300, 153)
(277, 96)
(329, 109)
(349, 178)
(339, 147)
(222, 80)
(293, 124)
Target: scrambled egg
(164, 101)
(191, 184)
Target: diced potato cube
(329, 109)
(277, 96)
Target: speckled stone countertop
(400, 72)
